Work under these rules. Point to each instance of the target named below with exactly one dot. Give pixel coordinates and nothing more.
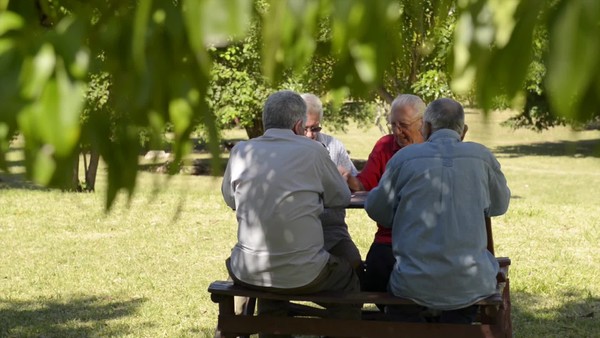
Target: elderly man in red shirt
(405, 121)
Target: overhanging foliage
(157, 56)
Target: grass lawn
(68, 269)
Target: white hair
(410, 100)
(315, 106)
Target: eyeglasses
(402, 125)
(312, 129)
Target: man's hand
(344, 172)
(353, 182)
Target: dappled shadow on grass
(196, 166)
(15, 163)
(80, 317)
(199, 166)
(205, 167)
(579, 316)
(584, 148)
(17, 181)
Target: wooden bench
(493, 318)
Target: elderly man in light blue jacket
(435, 197)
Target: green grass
(67, 269)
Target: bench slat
(227, 288)
(503, 261)
(350, 328)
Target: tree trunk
(384, 94)
(75, 175)
(92, 170)
(256, 129)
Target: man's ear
(298, 128)
(462, 137)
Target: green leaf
(37, 70)
(10, 21)
(53, 120)
(272, 53)
(365, 62)
(72, 47)
(6, 46)
(224, 20)
(44, 165)
(504, 73)
(574, 50)
(192, 14)
(463, 54)
(181, 114)
(140, 27)
(67, 127)
(503, 12)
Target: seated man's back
(435, 197)
(279, 183)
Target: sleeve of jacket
(373, 169)
(336, 193)
(344, 159)
(227, 188)
(498, 188)
(382, 201)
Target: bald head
(445, 114)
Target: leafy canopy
(158, 57)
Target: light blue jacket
(435, 197)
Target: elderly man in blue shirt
(435, 197)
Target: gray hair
(410, 100)
(314, 104)
(283, 109)
(445, 114)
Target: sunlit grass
(68, 269)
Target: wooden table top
(357, 201)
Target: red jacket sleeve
(375, 166)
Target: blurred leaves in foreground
(157, 61)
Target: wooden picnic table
(357, 201)
(494, 317)
(305, 318)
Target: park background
(68, 268)
(133, 254)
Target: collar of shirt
(278, 132)
(443, 133)
(321, 138)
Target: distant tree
(496, 47)
(239, 88)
